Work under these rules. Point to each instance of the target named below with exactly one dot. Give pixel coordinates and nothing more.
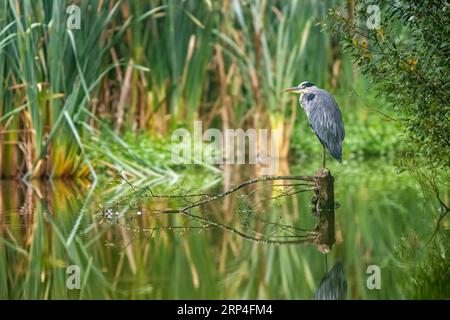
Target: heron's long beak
(292, 89)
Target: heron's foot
(323, 172)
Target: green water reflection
(46, 227)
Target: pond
(47, 227)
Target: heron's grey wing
(326, 121)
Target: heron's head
(303, 87)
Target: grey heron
(324, 117)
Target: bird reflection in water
(333, 285)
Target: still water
(123, 250)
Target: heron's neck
(300, 99)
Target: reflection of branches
(430, 182)
(281, 195)
(208, 224)
(303, 238)
(270, 234)
(278, 185)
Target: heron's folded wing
(325, 119)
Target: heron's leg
(324, 155)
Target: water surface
(46, 227)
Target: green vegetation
(49, 74)
(96, 106)
(155, 65)
(429, 272)
(146, 160)
(407, 59)
(406, 56)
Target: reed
(148, 66)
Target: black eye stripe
(306, 84)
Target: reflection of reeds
(200, 263)
(25, 235)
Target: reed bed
(150, 66)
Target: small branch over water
(253, 203)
